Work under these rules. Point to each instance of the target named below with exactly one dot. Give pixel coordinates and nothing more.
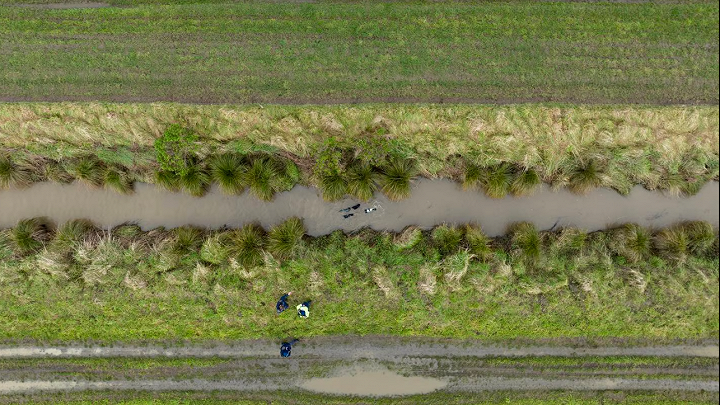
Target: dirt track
(364, 362)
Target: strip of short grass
(411, 51)
(358, 149)
(304, 397)
(190, 284)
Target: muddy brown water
(431, 203)
(372, 381)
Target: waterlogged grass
(197, 285)
(329, 52)
(359, 149)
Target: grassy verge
(334, 51)
(302, 397)
(359, 149)
(78, 283)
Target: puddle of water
(372, 381)
(431, 203)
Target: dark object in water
(354, 207)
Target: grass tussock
(247, 245)
(632, 241)
(72, 233)
(186, 239)
(283, 239)
(53, 170)
(395, 177)
(12, 174)
(701, 236)
(526, 242)
(673, 244)
(89, 170)
(265, 177)
(471, 176)
(167, 180)
(479, 244)
(333, 186)
(569, 241)
(215, 249)
(194, 180)
(525, 182)
(408, 238)
(229, 171)
(585, 176)
(447, 238)
(496, 180)
(361, 181)
(118, 180)
(126, 232)
(30, 235)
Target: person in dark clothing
(286, 348)
(282, 303)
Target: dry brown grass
(674, 148)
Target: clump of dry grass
(455, 267)
(214, 249)
(382, 280)
(408, 238)
(428, 281)
(631, 241)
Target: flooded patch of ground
(431, 203)
(372, 381)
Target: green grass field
(348, 52)
(80, 283)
